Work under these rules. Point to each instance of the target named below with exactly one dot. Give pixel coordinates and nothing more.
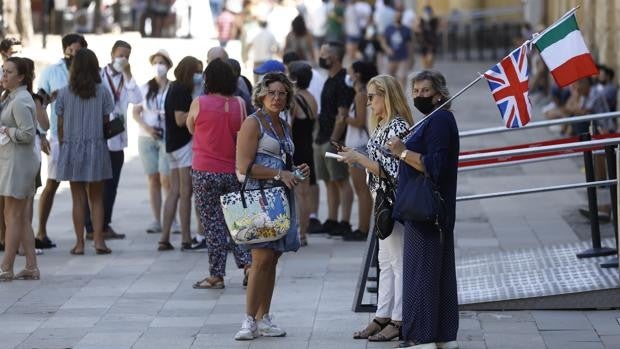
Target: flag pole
(480, 76)
(448, 101)
(556, 21)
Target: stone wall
(598, 21)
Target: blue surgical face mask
(197, 79)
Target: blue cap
(269, 66)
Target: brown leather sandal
(210, 282)
(375, 326)
(389, 332)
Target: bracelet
(403, 155)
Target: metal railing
(541, 149)
(587, 146)
(539, 124)
(525, 161)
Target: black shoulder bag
(384, 205)
(113, 127)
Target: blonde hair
(395, 102)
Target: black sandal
(165, 246)
(368, 331)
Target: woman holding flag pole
(430, 302)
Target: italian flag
(564, 51)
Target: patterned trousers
(430, 301)
(208, 187)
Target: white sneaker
(266, 328)
(448, 345)
(248, 330)
(154, 228)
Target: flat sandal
(28, 274)
(210, 282)
(385, 337)
(6, 275)
(368, 331)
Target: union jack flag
(508, 81)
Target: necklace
(284, 144)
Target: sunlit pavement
(140, 298)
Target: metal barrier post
(596, 250)
(507, 37)
(610, 157)
(372, 252)
(453, 30)
(610, 162)
(480, 28)
(493, 40)
(468, 42)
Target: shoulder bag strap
(385, 178)
(303, 104)
(245, 183)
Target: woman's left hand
(349, 156)
(305, 170)
(396, 146)
(45, 145)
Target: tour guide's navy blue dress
(430, 303)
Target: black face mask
(424, 104)
(323, 63)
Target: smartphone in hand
(339, 146)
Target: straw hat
(163, 54)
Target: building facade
(598, 21)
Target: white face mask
(160, 70)
(118, 64)
(348, 80)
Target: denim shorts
(153, 156)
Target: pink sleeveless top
(215, 133)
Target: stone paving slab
(140, 298)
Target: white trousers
(390, 297)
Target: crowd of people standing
(206, 130)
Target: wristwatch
(277, 177)
(403, 155)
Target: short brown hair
(260, 90)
